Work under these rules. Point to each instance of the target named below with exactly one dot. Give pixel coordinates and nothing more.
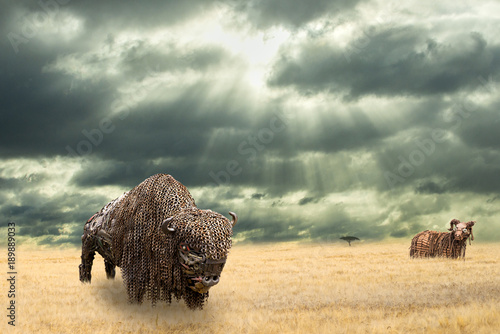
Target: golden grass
(281, 288)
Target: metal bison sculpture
(444, 244)
(162, 242)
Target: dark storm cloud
(39, 114)
(131, 99)
(193, 140)
(127, 162)
(45, 112)
(478, 174)
(331, 131)
(429, 187)
(350, 131)
(183, 133)
(128, 174)
(110, 172)
(256, 229)
(111, 15)
(329, 223)
(28, 180)
(258, 196)
(38, 118)
(73, 239)
(119, 15)
(175, 128)
(461, 153)
(36, 215)
(9, 183)
(478, 125)
(402, 60)
(290, 13)
(141, 60)
(306, 200)
(6, 15)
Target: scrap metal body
(162, 242)
(443, 244)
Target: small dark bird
(349, 239)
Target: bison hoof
(85, 275)
(110, 271)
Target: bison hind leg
(110, 269)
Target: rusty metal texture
(443, 244)
(128, 233)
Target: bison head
(462, 230)
(202, 239)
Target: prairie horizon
(276, 288)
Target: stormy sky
(310, 119)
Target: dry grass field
(281, 288)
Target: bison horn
(235, 218)
(164, 226)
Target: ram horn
(470, 224)
(453, 222)
(235, 218)
(164, 226)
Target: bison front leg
(88, 253)
(110, 269)
(104, 246)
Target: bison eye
(465, 230)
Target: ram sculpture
(443, 244)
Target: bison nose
(210, 280)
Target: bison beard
(143, 233)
